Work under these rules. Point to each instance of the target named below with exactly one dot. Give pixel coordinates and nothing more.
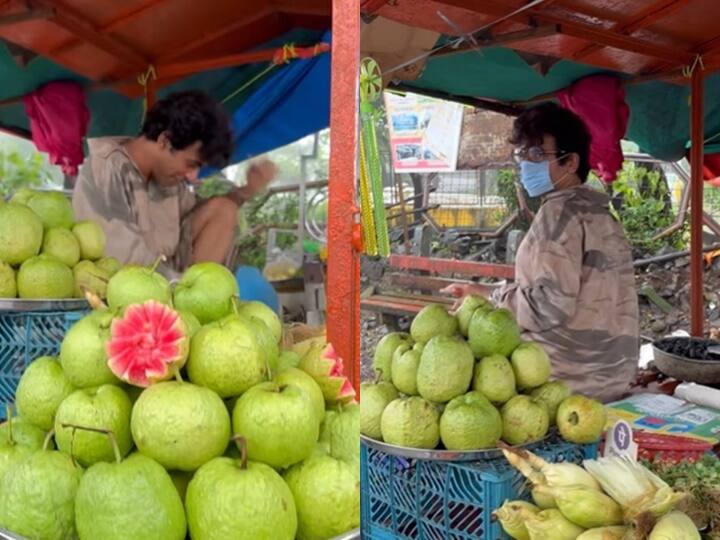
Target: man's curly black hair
(570, 133)
(188, 117)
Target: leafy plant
(17, 171)
(281, 211)
(644, 208)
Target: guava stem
(160, 259)
(108, 432)
(93, 299)
(178, 376)
(9, 413)
(242, 446)
(49, 436)
(235, 300)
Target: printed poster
(424, 133)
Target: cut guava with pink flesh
(148, 344)
(324, 365)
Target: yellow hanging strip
(367, 220)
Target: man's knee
(222, 209)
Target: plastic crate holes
(25, 336)
(426, 500)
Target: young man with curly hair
(574, 290)
(137, 188)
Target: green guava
(135, 285)
(91, 238)
(470, 422)
(105, 407)
(373, 400)
(109, 264)
(343, 434)
(180, 425)
(411, 422)
(278, 422)
(134, 498)
(405, 364)
(445, 370)
(297, 377)
(43, 276)
(22, 196)
(465, 312)
(10, 451)
(269, 348)
(433, 320)
(552, 394)
(40, 391)
(327, 497)
(37, 496)
(8, 285)
(524, 420)
(206, 290)
(61, 244)
(21, 234)
(191, 323)
(531, 365)
(581, 420)
(494, 378)
(23, 434)
(54, 209)
(226, 357)
(239, 500)
(493, 332)
(82, 352)
(89, 277)
(287, 359)
(259, 310)
(382, 359)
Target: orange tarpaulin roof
(107, 40)
(638, 37)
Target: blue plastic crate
(439, 500)
(25, 336)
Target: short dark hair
(570, 133)
(188, 117)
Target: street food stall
(75, 69)
(638, 70)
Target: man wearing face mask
(574, 290)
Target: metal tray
(686, 369)
(17, 305)
(448, 455)
(350, 535)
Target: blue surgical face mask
(535, 177)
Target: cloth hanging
(59, 119)
(600, 101)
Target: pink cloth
(59, 119)
(600, 101)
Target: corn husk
(542, 473)
(674, 526)
(586, 507)
(551, 525)
(542, 498)
(604, 533)
(636, 489)
(512, 515)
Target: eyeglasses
(535, 154)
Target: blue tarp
(292, 103)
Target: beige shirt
(575, 293)
(141, 220)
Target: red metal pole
(343, 281)
(697, 310)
